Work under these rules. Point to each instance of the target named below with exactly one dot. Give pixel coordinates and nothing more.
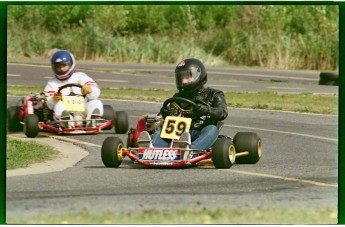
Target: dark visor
(188, 76)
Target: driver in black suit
(211, 108)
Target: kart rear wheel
(108, 114)
(112, 152)
(248, 142)
(13, 121)
(31, 128)
(121, 122)
(223, 153)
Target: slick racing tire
(121, 122)
(329, 78)
(328, 82)
(223, 153)
(247, 142)
(31, 128)
(13, 121)
(112, 152)
(108, 114)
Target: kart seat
(220, 125)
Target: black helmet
(190, 75)
(63, 57)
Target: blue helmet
(63, 57)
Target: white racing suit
(92, 101)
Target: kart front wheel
(248, 142)
(121, 122)
(31, 128)
(223, 153)
(13, 121)
(112, 152)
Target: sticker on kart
(159, 154)
(74, 103)
(173, 127)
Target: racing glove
(57, 96)
(86, 89)
(201, 110)
(165, 112)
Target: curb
(68, 156)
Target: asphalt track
(298, 169)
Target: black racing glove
(201, 110)
(165, 112)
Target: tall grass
(274, 36)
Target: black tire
(223, 153)
(108, 114)
(111, 152)
(31, 128)
(13, 121)
(328, 82)
(329, 76)
(250, 142)
(121, 122)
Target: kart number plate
(173, 127)
(74, 103)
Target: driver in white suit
(63, 66)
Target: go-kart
(244, 148)
(33, 115)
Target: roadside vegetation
(297, 102)
(272, 36)
(195, 216)
(21, 154)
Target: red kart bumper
(135, 155)
(77, 130)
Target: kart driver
(64, 68)
(211, 108)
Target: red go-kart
(32, 115)
(244, 147)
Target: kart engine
(153, 121)
(38, 100)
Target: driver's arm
(219, 109)
(49, 91)
(95, 91)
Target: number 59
(174, 127)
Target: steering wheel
(175, 103)
(70, 85)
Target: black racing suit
(211, 97)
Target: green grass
(21, 154)
(297, 102)
(190, 216)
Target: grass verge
(196, 216)
(21, 154)
(297, 102)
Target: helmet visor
(187, 77)
(61, 68)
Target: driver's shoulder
(212, 90)
(80, 74)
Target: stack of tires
(329, 78)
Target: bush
(274, 36)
